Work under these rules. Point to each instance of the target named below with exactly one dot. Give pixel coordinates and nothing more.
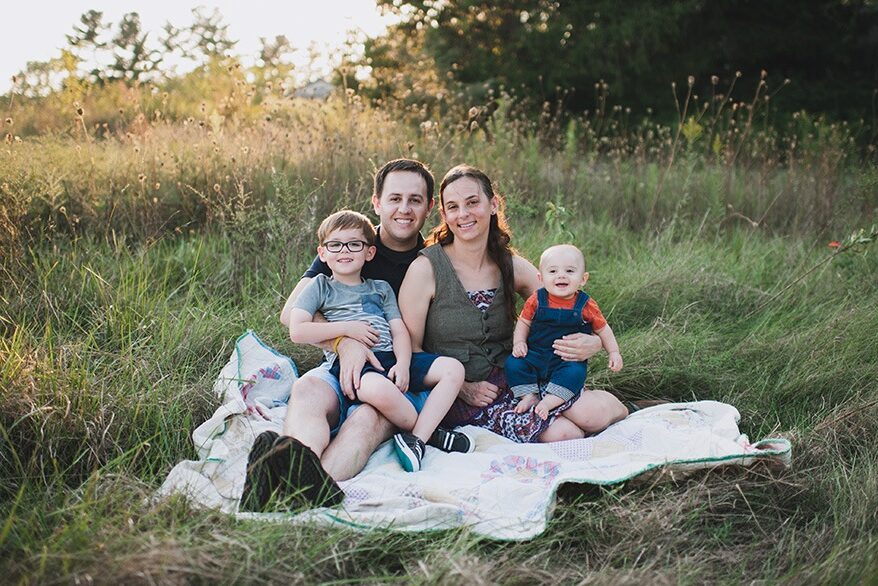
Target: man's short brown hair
(345, 220)
(404, 165)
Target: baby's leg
(521, 376)
(548, 403)
(527, 402)
(380, 392)
(446, 377)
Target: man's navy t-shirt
(388, 265)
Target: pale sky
(34, 29)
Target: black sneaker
(300, 476)
(258, 484)
(449, 440)
(285, 472)
(409, 450)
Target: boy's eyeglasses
(336, 245)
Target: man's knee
(312, 397)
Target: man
(324, 439)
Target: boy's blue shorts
(417, 394)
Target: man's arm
(285, 312)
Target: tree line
(574, 51)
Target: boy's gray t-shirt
(372, 301)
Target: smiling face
(562, 270)
(466, 209)
(402, 207)
(346, 265)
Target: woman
(458, 299)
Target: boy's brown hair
(345, 220)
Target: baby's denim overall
(541, 367)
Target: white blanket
(503, 490)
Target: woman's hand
(478, 394)
(577, 347)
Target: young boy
(366, 310)
(554, 311)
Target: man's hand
(577, 347)
(363, 332)
(480, 394)
(352, 356)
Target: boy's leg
(380, 392)
(446, 376)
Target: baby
(366, 310)
(556, 310)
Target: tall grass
(131, 263)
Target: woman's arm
(417, 291)
(526, 276)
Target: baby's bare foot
(526, 403)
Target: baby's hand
(526, 403)
(362, 331)
(615, 361)
(542, 410)
(519, 349)
(400, 376)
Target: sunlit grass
(133, 260)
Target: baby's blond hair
(559, 247)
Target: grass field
(131, 264)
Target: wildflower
(738, 74)
(691, 80)
(763, 74)
(141, 178)
(8, 121)
(834, 244)
(714, 79)
(216, 187)
(4, 187)
(79, 111)
(157, 186)
(8, 138)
